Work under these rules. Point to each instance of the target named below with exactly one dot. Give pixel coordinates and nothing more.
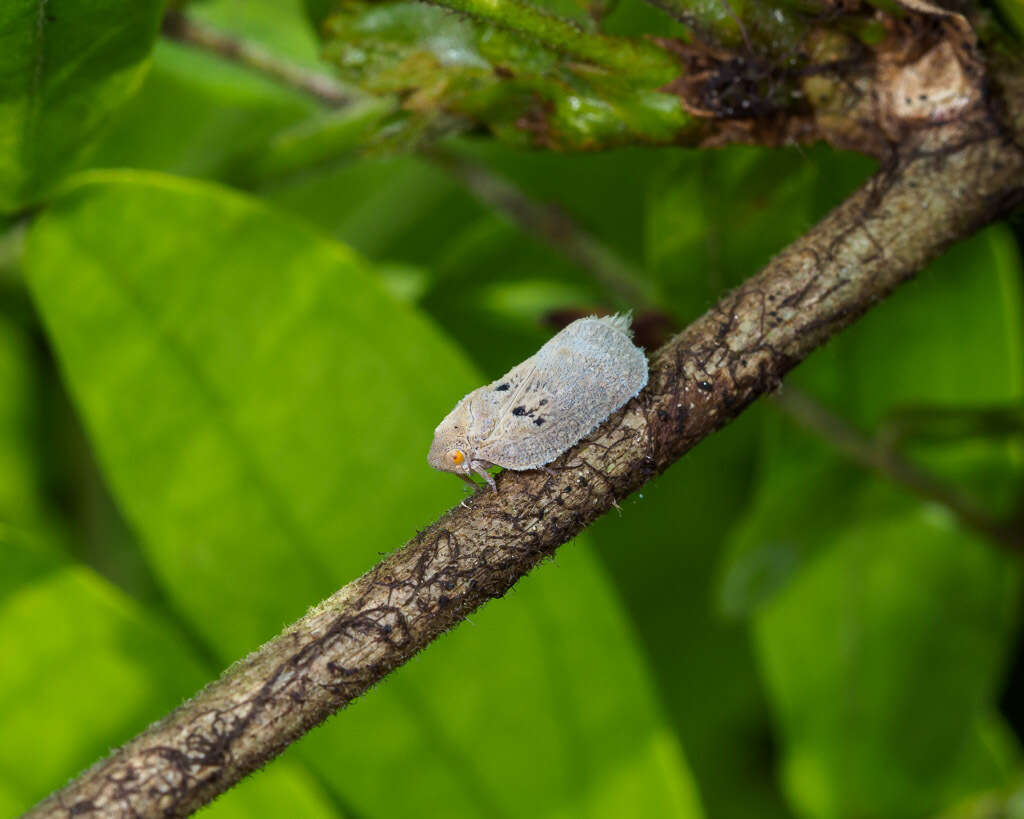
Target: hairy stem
(948, 181)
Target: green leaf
(663, 551)
(488, 281)
(257, 356)
(399, 208)
(11, 801)
(222, 118)
(605, 193)
(1004, 803)
(899, 354)
(229, 121)
(493, 284)
(317, 11)
(85, 668)
(1012, 16)
(282, 26)
(20, 478)
(262, 408)
(882, 659)
(881, 625)
(714, 218)
(286, 789)
(54, 690)
(64, 69)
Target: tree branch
(950, 180)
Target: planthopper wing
(573, 383)
(485, 406)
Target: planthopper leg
(480, 467)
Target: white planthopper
(540, 408)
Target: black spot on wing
(502, 387)
(538, 421)
(520, 410)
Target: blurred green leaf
(1012, 15)
(228, 121)
(48, 611)
(20, 479)
(663, 551)
(905, 353)
(262, 408)
(1005, 803)
(75, 646)
(222, 117)
(866, 600)
(291, 418)
(704, 222)
(488, 282)
(401, 208)
(285, 789)
(804, 494)
(321, 140)
(714, 218)
(605, 193)
(881, 658)
(900, 354)
(11, 801)
(64, 69)
(282, 26)
(317, 11)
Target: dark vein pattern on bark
(955, 179)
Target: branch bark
(949, 180)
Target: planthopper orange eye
(457, 456)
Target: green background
(227, 332)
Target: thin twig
(556, 228)
(945, 423)
(188, 30)
(874, 455)
(951, 180)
